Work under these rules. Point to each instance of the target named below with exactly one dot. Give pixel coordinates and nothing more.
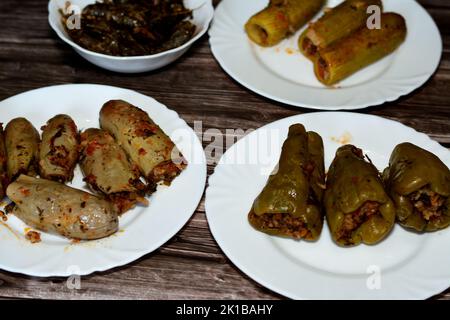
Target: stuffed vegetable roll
(360, 49)
(419, 183)
(3, 161)
(59, 149)
(144, 142)
(22, 148)
(290, 205)
(107, 170)
(334, 25)
(53, 207)
(357, 207)
(280, 19)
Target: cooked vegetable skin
(419, 183)
(358, 209)
(108, 171)
(334, 25)
(22, 148)
(132, 27)
(360, 49)
(53, 207)
(145, 143)
(59, 149)
(3, 160)
(280, 19)
(290, 203)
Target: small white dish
(141, 230)
(283, 74)
(203, 12)
(405, 265)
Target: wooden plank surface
(191, 265)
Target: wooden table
(191, 265)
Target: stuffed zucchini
(53, 207)
(144, 142)
(3, 164)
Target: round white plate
(283, 74)
(405, 265)
(141, 230)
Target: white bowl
(203, 13)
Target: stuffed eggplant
(360, 49)
(107, 170)
(334, 25)
(22, 148)
(3, 160)
(358, 209)
(144, 142)
(280, 19)
(53, 207)
(59, 149)
(290, 205)
(419, 183)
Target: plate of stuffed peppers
(353, 208)
(92, 177)
(328, 55)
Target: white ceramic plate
(141, 230)
(203, 12)
(409, 265)
(283, 74)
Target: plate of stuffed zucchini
(356, 208)
(328, 55)
(92, 177)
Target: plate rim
(136, 255)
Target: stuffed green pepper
(358, 209)
(290, 205)
(419, 183)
